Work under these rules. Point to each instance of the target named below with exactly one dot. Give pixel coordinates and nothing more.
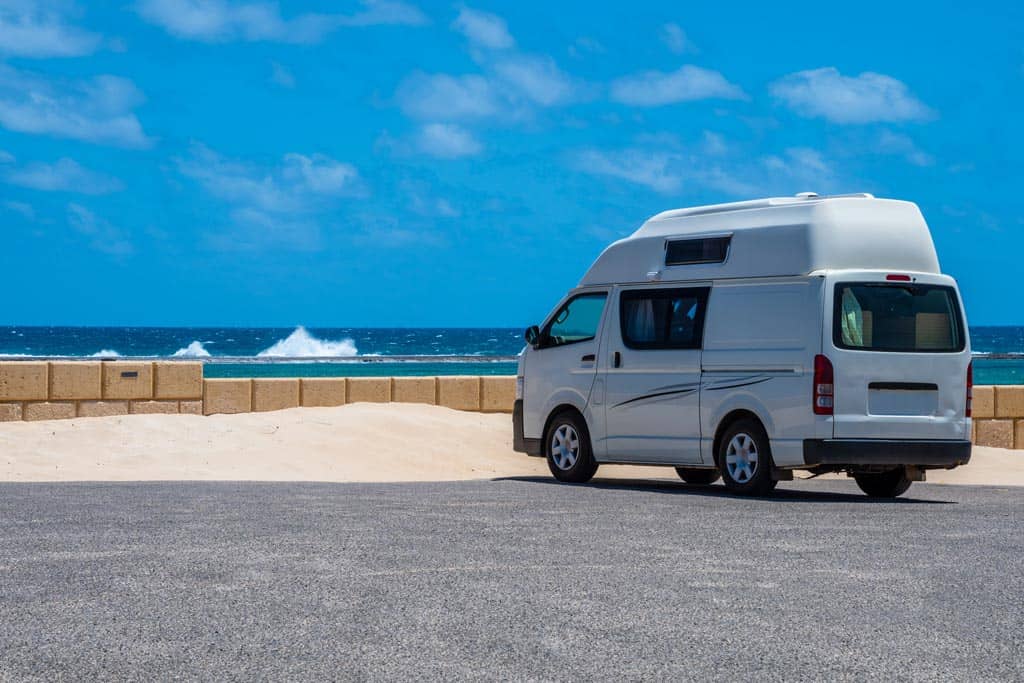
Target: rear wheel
(883, 484)
(700, 477)
(745, 459)
(567, 448)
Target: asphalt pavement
(513, 579)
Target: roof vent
(806, 195)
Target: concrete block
(1018, 437)
(80, 380)
(49, 410)
(983, 402)
(102, 408)
(322, 391)
(154, 407)
(460, 393)
(23, 381)
(497, 394)
(368, 389)
(998, 433)
(125, 380)
(274, 394)
(1009, 401)
(227, 396)
(414, 390)
(178, 380)
(10, 412)
(190, 407)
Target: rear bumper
(520, 443)
(842, 452)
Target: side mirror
(532, 336)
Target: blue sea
(351, 352)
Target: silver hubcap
(565, 447)
(741, 458)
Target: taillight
(970, 387)
(824, 386)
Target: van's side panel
(760, 340)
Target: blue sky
(397, 164)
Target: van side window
(576, 321)
(693, 251)
(663, 318)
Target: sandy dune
(360, 442)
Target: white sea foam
(106, 353)
(193, 350)
(301, 344)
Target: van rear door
(900, 353)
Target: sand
(363, 442)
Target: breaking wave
(301, 344)
(106, 353)
(193, 350)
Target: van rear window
(906, 318)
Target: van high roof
(771, 237)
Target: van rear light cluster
(970, 387)
(824, 386)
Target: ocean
(350, 352)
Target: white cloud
(649, 168)
(585, 45)
(901, 145)
(281, 76)
(65, 175)
(667, 167)
(37, 29)
(99, 110)
(536, 78)
(676, 40)
(445, 97)
(222, 20)
(279, 206)
(867, 98)
(688, 83)
(447, 141)
(23, 209)
(102, 235)
(320, 174)
(483, 29)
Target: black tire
(698, 476)
(570, 461)
(741, 473)
(883, 484)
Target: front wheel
(883, 484)
(745, 459)
(567, 448)
(698, 476)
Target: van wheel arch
(564, 408)
(728, 421)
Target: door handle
(589, 358)
(617, 360)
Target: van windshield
(897, 317)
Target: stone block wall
(41, 390)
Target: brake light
(824, 386)
(970, 387)
(898, 278)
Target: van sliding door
(653, 375)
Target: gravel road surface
(510, 579)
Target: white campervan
(752, 339)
